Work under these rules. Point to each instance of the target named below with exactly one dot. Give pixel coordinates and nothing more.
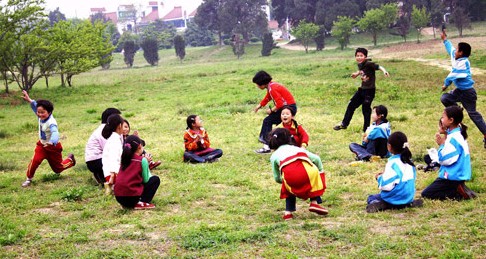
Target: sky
(81, 8)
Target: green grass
(231, 209)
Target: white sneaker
(27, 183)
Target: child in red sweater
(197, 144)
(299, 135)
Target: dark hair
(46, 104)
(362, 50)
(131, 145)
(112, 123)
(465, 48)
(455, 112)
(262, 78)
(107, 113)
(397, 140)
(381, 110)
(279, 137)
(290, 108)
(190, 120)
(128, 123)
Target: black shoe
(465, 192)
(263, 151)
(339, 127)
(417, 203)
(376, 206)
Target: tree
(129, 44)
(208, 17)
(180, 46)
(267, 44)
(403, 27)
(238, 45)
(420, 18)
(305, 32)
(244, 17)
(460, 18)
(162, 32)
(342, 30)
(150, 51)
(376, 20)
(434, 8)
(196, 35)
(56, 16)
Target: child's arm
(389, 178)
(355, 74)
(205, 143)
(190, 143)
(54, 134)
(145, 170)
(26, 97)
(384, 71)
(276, 169)
(316, 160)
(304, 137)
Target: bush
(268, 44)
(129, 50)
(254, 39)
(180, 46)
(150, 51)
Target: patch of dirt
(51, 209)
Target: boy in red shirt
(280, 96)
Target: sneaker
(417, 203)
(71, 156)
(27, 183)
(375, 206)
(339, 127)
(288, 216)
(263, 151)
(465, 192)
(153, 164)
(316, 208)
(144, 206)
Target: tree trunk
(4, 74)
(220, 37)
(374, 38)
(63, 83)
(69, 79)
(433, 29)
(47, 81)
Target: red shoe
(465, 192)
(288, 216)
(314, 207)
(71, 157)
(153, 164)
(144, 206)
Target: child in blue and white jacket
(375, 138)
(397, 182)
(454, 160)
(460, 75)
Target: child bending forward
(48, 147)
(299, 171)
(135, 187)
(196, 142)
(397, 182)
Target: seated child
(48, 146)
(375, 137)
(126, 131)
(397, 182)
(112, 151)
(135, 187)
(299, 135)
(454, 160)
(299, 171)
(196, 143)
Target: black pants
(272, 119)
(363, 97)
(193, 158)
(149, 190)
(376, 147)
(291, 201)
(96, 167)
(468, 99)
(442, 189)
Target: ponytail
(129, 148)
(463, 130)
(279, 137)
(112, 123)
(399, 144)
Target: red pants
(53, 154)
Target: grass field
(231, 209)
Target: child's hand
(355, 74)
(386, 73)
(269, 111)
(439, 139)
(365, 78)
(443, 35)
(135, 132)
(257, 108)
(25, 96)
(444, 88)
(378, 175)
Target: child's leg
(360, 151)
(54, 157)
(442, 189)
(193, 158)
(96, 167)
(450, 98)
(39, 156)
(217, 153)
(315, 207)
(149, 189)
(468, 99)
(376, 203)
(127, 201)
(268, 122)
(353, 104)
(368, 96)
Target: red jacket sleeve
(190, 143)
(265, 99)
(303, 135)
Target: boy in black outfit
(366, 92)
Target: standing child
(94, 148)
(375, 138)
(454, 160)
(461, 77)
(280, 96)
(366, 93)
(135, 187)
(126, 131)
(197, 144)
(48, 147)
(299, 135)
(397, 182)
(299, 171)
(112, 151)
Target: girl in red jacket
(299, 135)
(135, 187)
